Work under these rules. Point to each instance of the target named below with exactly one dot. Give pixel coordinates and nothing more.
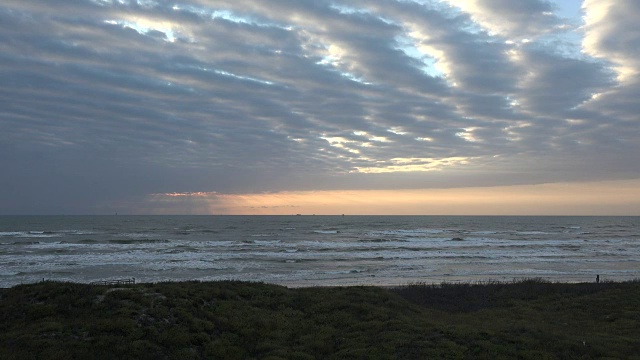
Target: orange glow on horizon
(598, 198)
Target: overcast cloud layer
(107, 101)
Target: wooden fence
(115, 282)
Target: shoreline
(426, 283)
(347, 281)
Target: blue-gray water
(317, 250)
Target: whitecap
(266, 242)
(408, 232)
(29, 234)
(11, 233)
(78, 232)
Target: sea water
(317, 250)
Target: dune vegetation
(530, 319)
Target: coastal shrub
(144, 349)
(531, 319)
(224, 349)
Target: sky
(452, 107)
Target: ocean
(318, 250)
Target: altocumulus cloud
(104, 103)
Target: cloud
(105, 102)
(523, 19)
(611, 34)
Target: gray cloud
(104, 102)
(519, 19)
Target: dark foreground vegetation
(532, 319)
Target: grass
(531, 319)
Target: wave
(44, 272)
(139, 241)
(266, 242)
(379, 240)
(11, 233)
(77, 232)
(137, 235)
(179, 250)
(407, 232)
(25, 243)
(208, 231)
(29, 234)
(486, 232)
